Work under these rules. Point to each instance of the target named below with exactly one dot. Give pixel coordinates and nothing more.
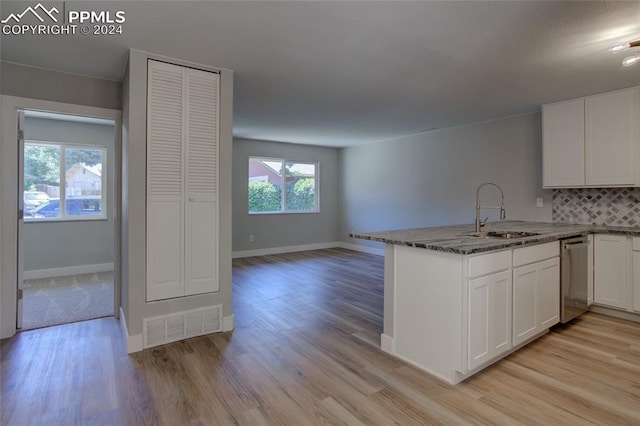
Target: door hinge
(20, 214)
(20, 134)
(19, 294)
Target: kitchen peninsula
(455, 302)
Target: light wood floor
(304, 352)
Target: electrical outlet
(251, 238)
(539, 202)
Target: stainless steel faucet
(503, 215)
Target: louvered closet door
(165, 209)
(201, 222)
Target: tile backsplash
(599, 206)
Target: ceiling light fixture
(629, 60)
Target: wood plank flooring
(305, 352)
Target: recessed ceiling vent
(181, 325)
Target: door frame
(9, 106)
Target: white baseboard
(386, 343)
(306, 247)
(134, 343)
(362, 248)
(612, 312)
(286, 249)
(69, 270)
(228, 323)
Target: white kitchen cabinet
(563, 144)
(635, 305)
(611, 279)
(182, 181)
(489, 328)
(536, 291)
(591, 141)
(610, 139)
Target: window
(54, 172)
(268, 177)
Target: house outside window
(55, 172)
(278, 185)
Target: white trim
(286, 249)
(616, 313)
(134, 343)
(362, 248)
(228, 323)
(386, 343)
(9, 105)
(66, 271)
(307, 247)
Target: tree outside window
(268, 177)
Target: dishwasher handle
(572, 246)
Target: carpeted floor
(61, 300)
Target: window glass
(300, 186)
(281, 186)
(83, 181)
(80, 184)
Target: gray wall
(65, 244)
(281, 230)
(133, 251)
(430, 179)
(37, 83)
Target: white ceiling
(347, 73)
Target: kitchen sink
(508, 235)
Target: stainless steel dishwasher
(574, 278)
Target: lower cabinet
(536, 293)
(611, 271)
(636, 275)
(489, 331)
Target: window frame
(63, 183)
(283, 199)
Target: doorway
(66, 246)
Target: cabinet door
(489, 318)
(636, 281)
(611, 276)
(610, 138)
(201, 211)
(525, 283)
(165, 100)
(563, 144)
(548, 294)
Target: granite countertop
(457, 238)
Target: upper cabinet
(610, 138)
(591, 142)
(563, 144)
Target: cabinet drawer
(636, 243)
(488, 263)
(526, 255)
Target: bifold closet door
(165, 180)
(201, 207)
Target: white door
(525, 283)
(610, 138)
(201, 205)
(548, 297)
(500, 305)
(165, 181)
(20, 248)
(479, 322)
(563, 144)
(489, 327)
(611, 276)
(636, 280)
